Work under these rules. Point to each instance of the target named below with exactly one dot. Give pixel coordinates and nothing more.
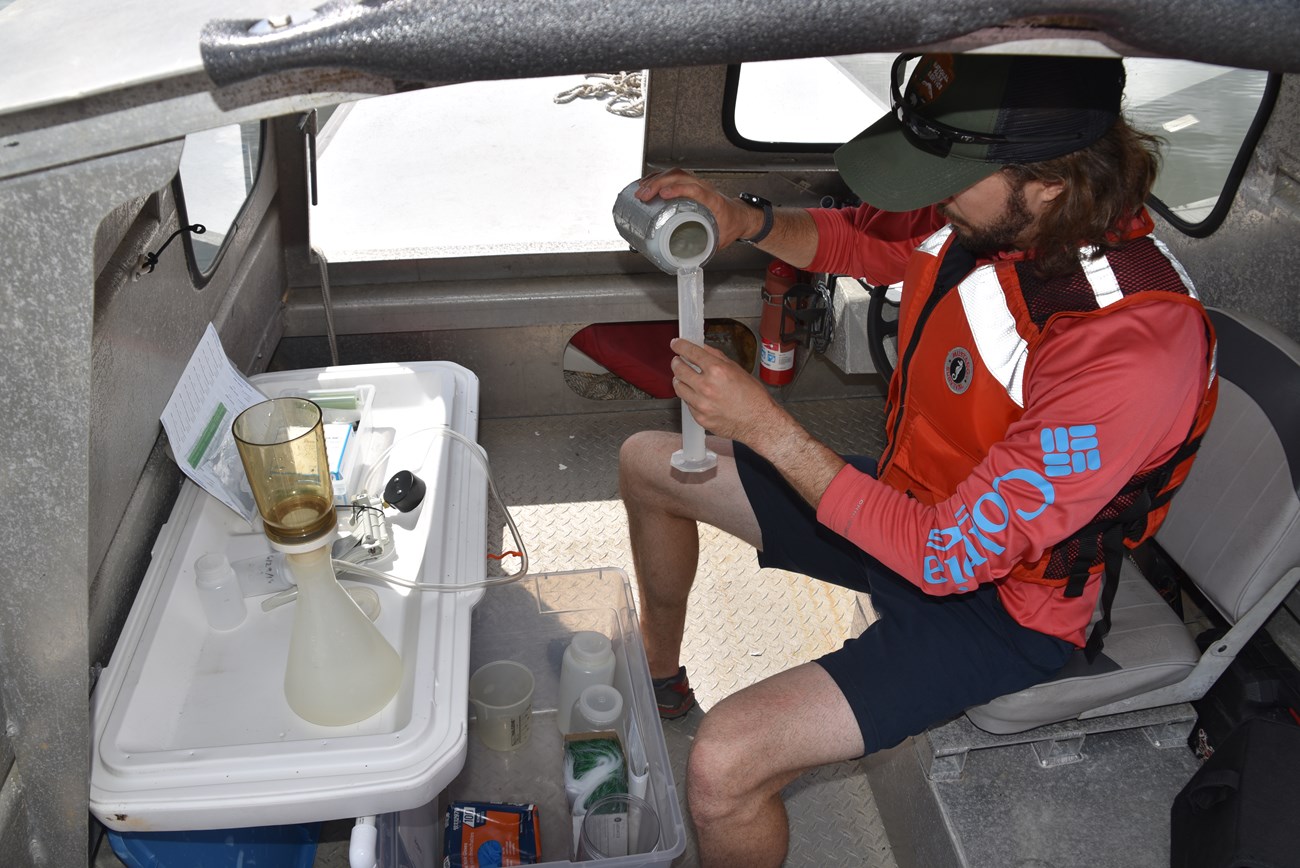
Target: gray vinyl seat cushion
(1147, 647)
(1234, 529)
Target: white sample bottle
(599, 708)
(341, 669)
(588, 660)
(219, 591)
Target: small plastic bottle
(588, 660)
(599, 709)
(219, 592)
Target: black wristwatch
(758, 202)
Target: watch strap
(768, 218)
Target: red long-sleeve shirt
(1137, 375)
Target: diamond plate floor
(559, 477)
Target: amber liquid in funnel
(300, 518)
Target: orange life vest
(982, 334)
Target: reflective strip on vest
(1178, 266)
(1101, 277)
(935, 242)
(1191, 290)
(1001, 348)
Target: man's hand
(735, 218)
(726, 400)
(794, 234)
(723, 398)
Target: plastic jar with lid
(599, 708)
(588, 660)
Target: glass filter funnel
(341, 669)
(282, 445)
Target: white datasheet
(207, 398)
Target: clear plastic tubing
(693, 457)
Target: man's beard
(1000, 235)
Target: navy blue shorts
(926, 658)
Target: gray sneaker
(674, 695)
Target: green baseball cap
(964, 116)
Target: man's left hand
(723, 398)
(726, 400)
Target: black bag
(1242, 807)
(1260, 682)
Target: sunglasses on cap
(937, 137)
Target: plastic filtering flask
(588, 660)
(341, 669)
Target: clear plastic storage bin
(532, 622)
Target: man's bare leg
(748, 747)
(754, 742)
(663, 506)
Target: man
(1055, 374)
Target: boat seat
(1233, 528)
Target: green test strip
(205, 439)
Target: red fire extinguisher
(775, 357)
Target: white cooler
(190, 726)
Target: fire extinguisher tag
(772, 357)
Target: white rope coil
(622, 92)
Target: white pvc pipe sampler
(679, 236)
(693, 457)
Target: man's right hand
(735, 218)
(793, 237)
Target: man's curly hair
(1104, 185)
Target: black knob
(404, 491)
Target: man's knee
(725, 775)
(641, 460)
